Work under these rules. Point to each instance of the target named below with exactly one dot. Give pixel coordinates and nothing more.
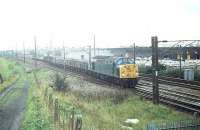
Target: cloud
(114, 22)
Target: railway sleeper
(186, 105)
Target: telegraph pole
(154, 41)
(35, 52)
(64, 65)
(94, 46)
(64, 56)
(24, 52)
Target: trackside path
(12, 105)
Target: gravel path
(12, 106)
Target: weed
(104, 108)
(37, 115)
(60, 83)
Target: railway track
(184, 97)
(69, 73)
(173, 91)
(174, 82)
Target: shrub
(10, 67)
(59, 83)
(148, 69)
(174, 73)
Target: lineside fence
(64, 115)
(179, 125)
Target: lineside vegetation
(106, 108)
(10, 71)
(100, 107)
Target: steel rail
(169, 94)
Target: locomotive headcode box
(128, 71)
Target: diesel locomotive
(120, 70)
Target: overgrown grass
(106, 114)
(101, 108)
(10, 71)
(107, 110)
(36, 115)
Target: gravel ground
(12, 106)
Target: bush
(173, 73)
(148, 69)
(59, 83)
(10, 67)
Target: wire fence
(179, 125)
(64, 115)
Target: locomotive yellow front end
(128, 71)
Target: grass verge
(10, 72)
(36, 114)
(107, 109)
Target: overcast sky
(114, 22)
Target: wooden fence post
(78, 124)
(50, 100)
(45, 93)
(72, 119)
(56, 110)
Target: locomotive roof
(101, 57)
(110, 58)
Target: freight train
(119, 70)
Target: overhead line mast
(154, 42)
(64, 56)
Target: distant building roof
(101, 57)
